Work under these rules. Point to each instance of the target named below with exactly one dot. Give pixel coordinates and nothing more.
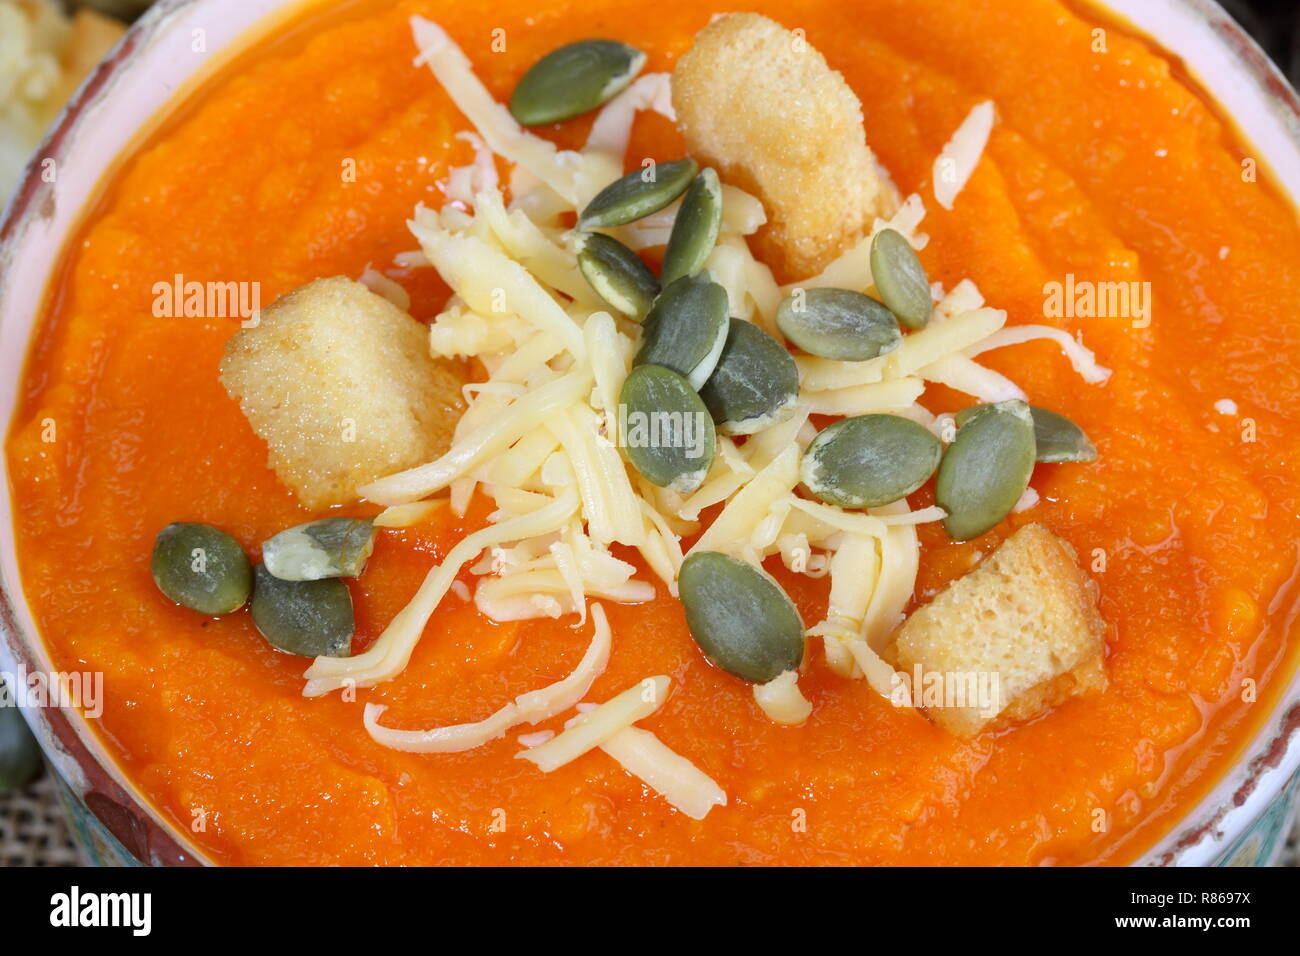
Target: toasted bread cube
(1027, 614)
(758, 103)
(340, 384)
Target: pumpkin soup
(771, 331)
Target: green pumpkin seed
(740, 617)
(838, 324)
(1057, 438)
(695, 230)
(755, 383)
(900, 278)
(201, 568)
(573, 80)
(686, 329)
(617, 274)
(306, 618)
(869, 460)
(329, 548)
(638, 194)
(665, 429)
(986, 469)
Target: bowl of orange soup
(819, 434)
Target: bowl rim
(1266, 765)
(1261, 770)
(93, 773)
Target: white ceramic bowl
(1241, 822)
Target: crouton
(340, 384)
(1028, 615)
(758, 103)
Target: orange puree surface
(1107, 166)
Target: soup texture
(1105, 165)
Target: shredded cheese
(900, 557)
(524, 241)
(388, 655)
(964, 297)
(637, 702)
(490, 281)
(540, 435)
(380, 284)
(444, 740)
(733, 527)
(942, 339)
(492, 120)
(882, 678)
(665, 771)
(961, 154)
(1081, 359)
(530, 708)
(782, 701)
(855, 568)
(521, 417)
(609, 502)
(403, 516)
(612, 128)
(463, 182)
(852, 268)
(823, 374)
(884, 396)
(515, 596)
(1028, 498)
(965, 375)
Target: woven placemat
(1291, 855)
(33, 829)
